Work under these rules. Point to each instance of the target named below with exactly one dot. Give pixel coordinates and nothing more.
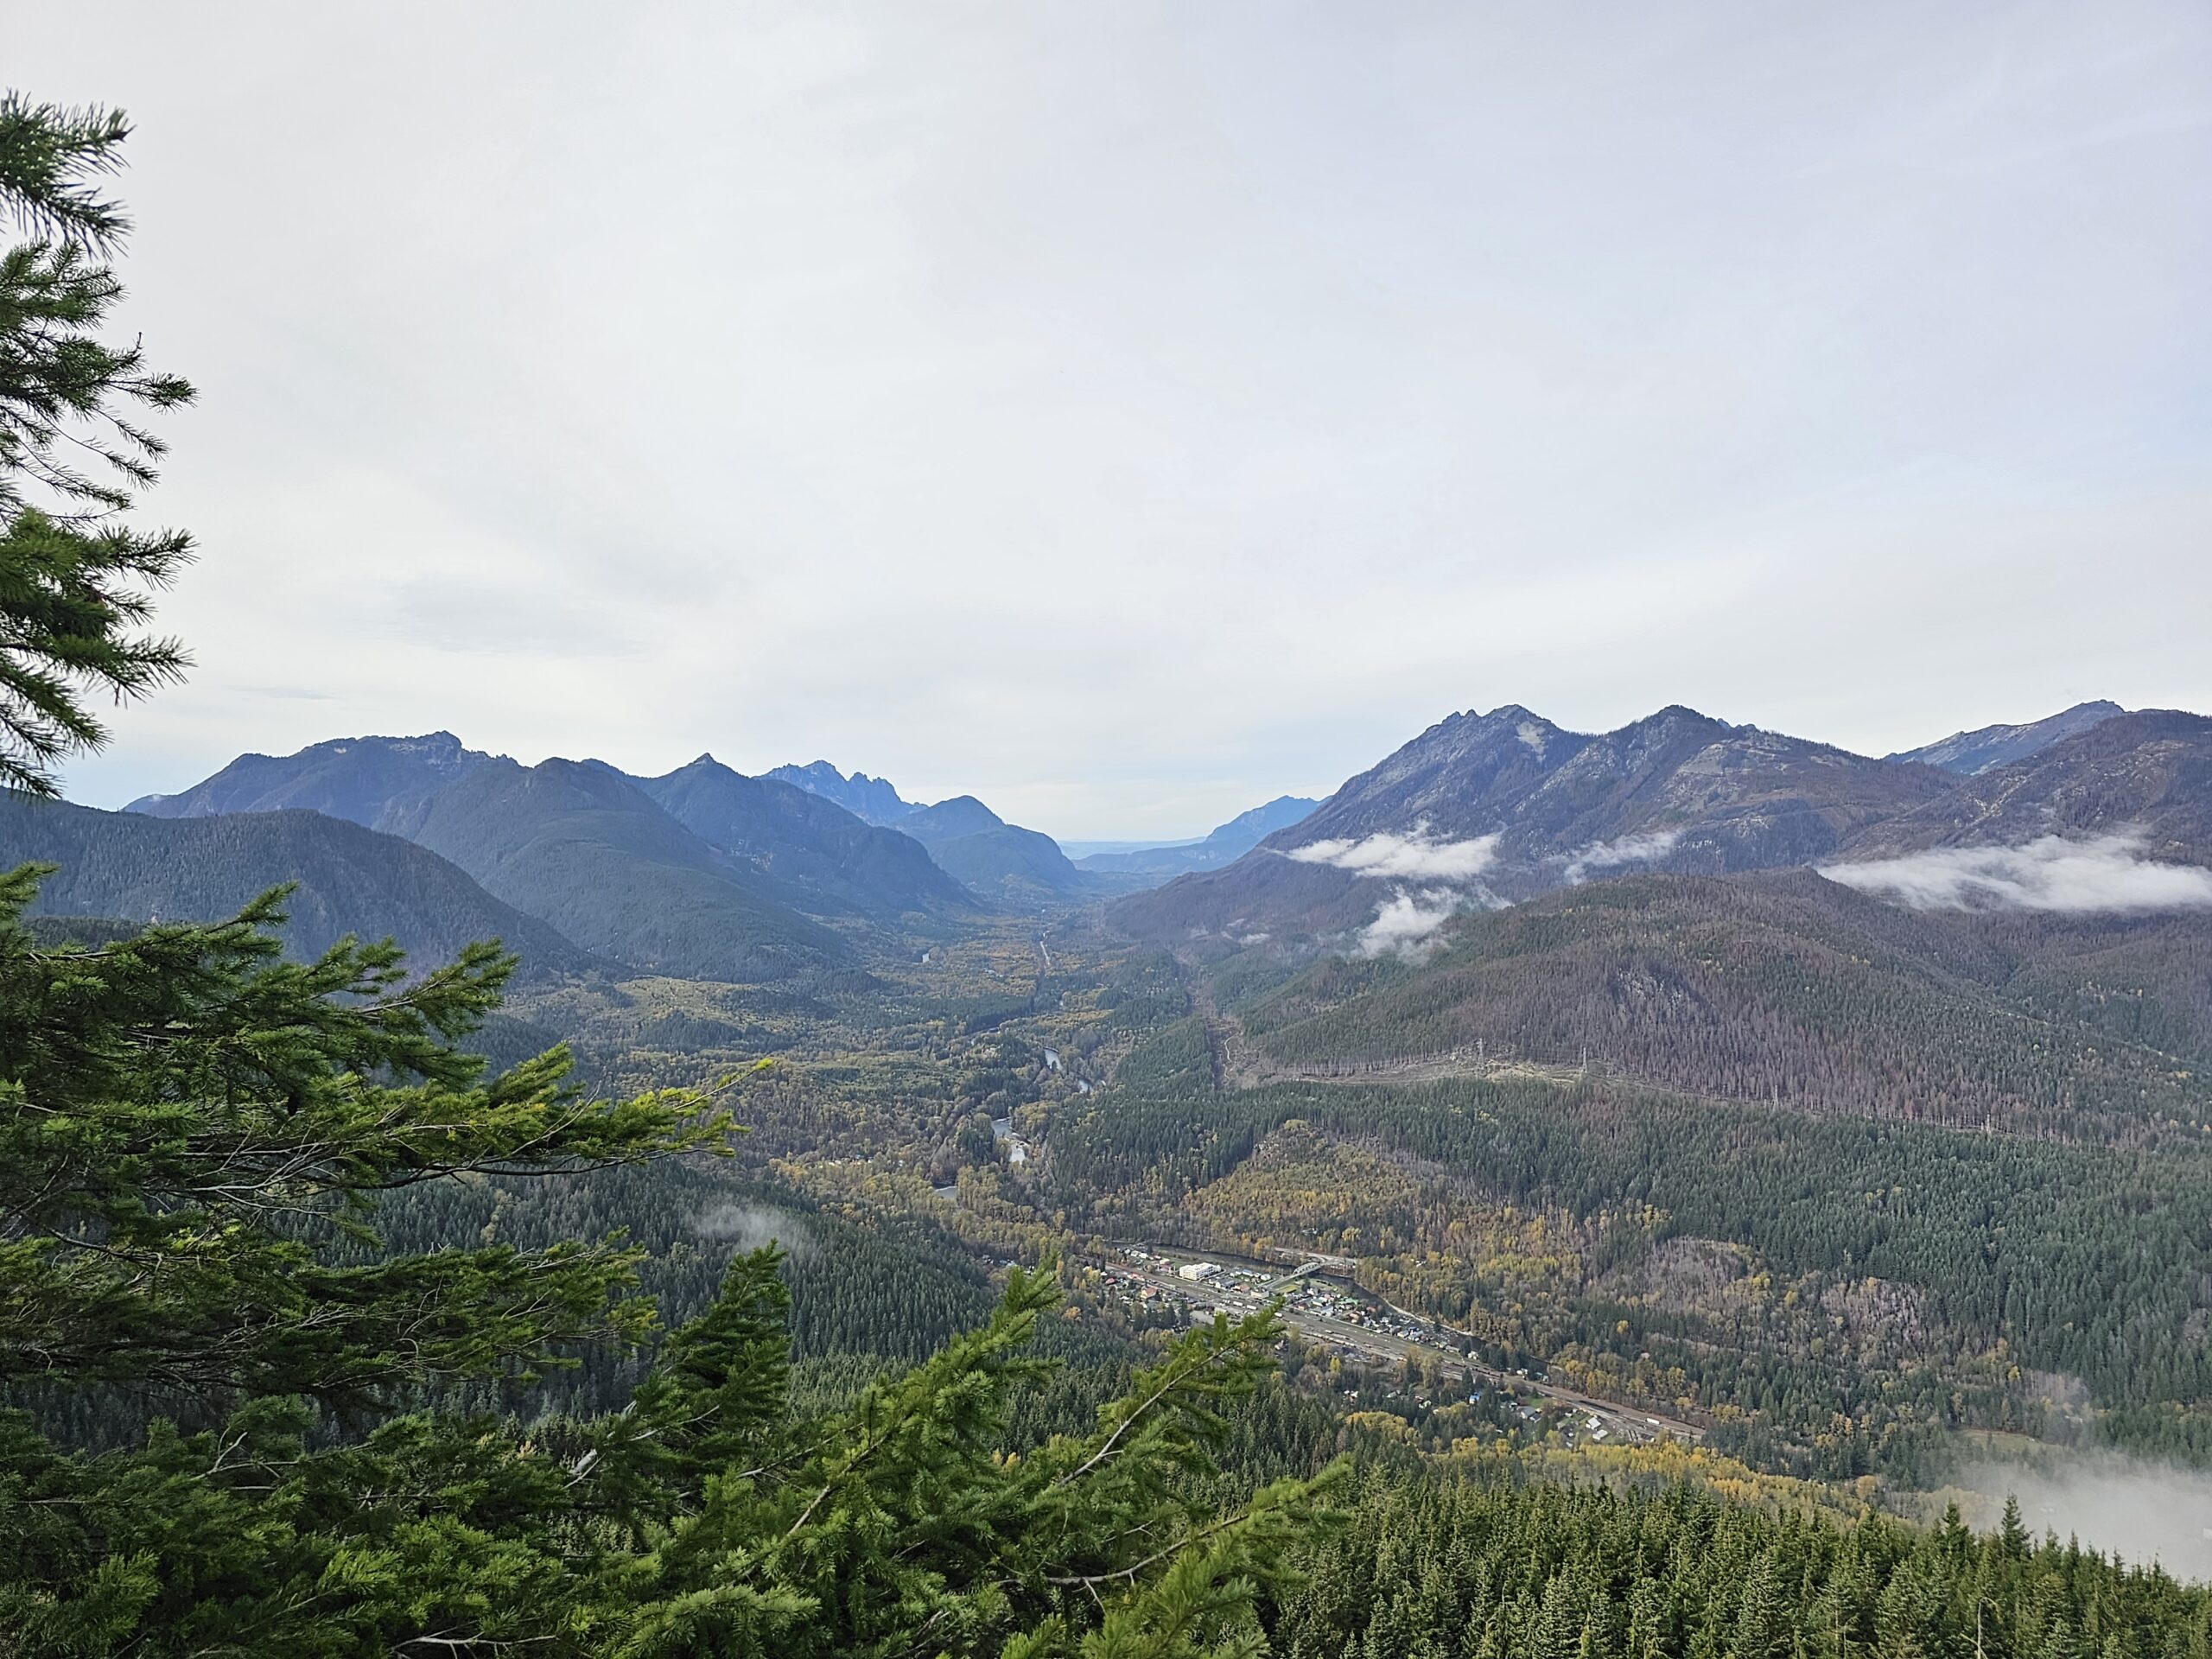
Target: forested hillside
(586, 850)
(1792, 988)
(346, 880)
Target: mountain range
(1484, 810)
(707, 872)
(701, 873)
(704, 873)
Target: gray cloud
(930, 391)
(2106, 874)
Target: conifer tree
(194, 1137)
(75, 581)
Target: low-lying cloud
(1438, 879)
(2108, 873)
(1417, 856)
(1644, 849)
(748, 1226)
(2145, 1511)
(1408, 923)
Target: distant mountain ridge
(1225, 844)
(872, 800)
(736, 893)
(1001, 860)
(583, 846)
(361, 779)
(826, 856)
(1972, 753)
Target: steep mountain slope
(1971, 753)
(2147, 774)
(782, 849)
(350, 879)
(1001, 861)
(583, 847)
(1226, 843)
(360, 779)
(1482, 808)
(872, 800)
(1782, 985)
(826, 860)
(1722, 797)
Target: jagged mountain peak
(1676, 789)
(872, 799)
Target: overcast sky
(1129, 412)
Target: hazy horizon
(1129, 415)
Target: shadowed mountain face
(998, 861)
(1969, 753)
(1001, 861)
(351, 880)
(586, 850)
(704, 874)
(1506, 804)
(872, 800)
(828, 861)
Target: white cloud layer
(2052, 873)
(1408, 923)
(1628, 850)
(1447, 873)
(1417, 856)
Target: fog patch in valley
(748, 1226)
(2108, 873)
(2143, 1511)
